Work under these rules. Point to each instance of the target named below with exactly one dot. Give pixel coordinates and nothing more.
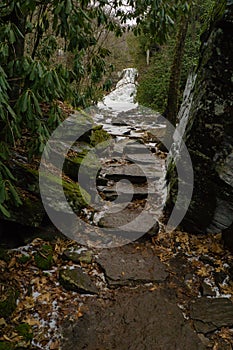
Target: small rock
(79, 256)
(136, 147)
(77, 281)
(147, 158)
(211, 314)
(206, 290)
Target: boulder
(208, 133)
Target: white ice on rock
(121, 99)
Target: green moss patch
(8, 298)
(25, 331)
(99, 137)
(6, 345)
(44, 257)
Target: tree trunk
(148, 57)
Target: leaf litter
(194, 262)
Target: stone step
(125, 191)
(146, 158)
(132, 172)
(135, 148)
(129, 224)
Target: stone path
(137, 305)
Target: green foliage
(25, 331)
(154, 80)
(8, 192)
(24, 259)
(44, 257)
(52, 50)
(156, 19)
(49, 51)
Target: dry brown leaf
(203, 271)
(12, 263)
(153, 288)
(7, 338)
(32, 322)
(2, 322)
(54, 345)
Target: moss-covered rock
(79, 255)
(77, 281)
(8, 298)
(99, 137)
(44, 257)
(87, 160)
(32, 212)
(77, 197)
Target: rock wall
(209, 131)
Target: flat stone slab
(135, 147)
(128, 221)
(117, 130)
(146, 158)
(132, 320)
(132, 172)
(209, 314)
(131, 265)
(125, 191)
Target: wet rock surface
(136, 320)
(131, 265)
